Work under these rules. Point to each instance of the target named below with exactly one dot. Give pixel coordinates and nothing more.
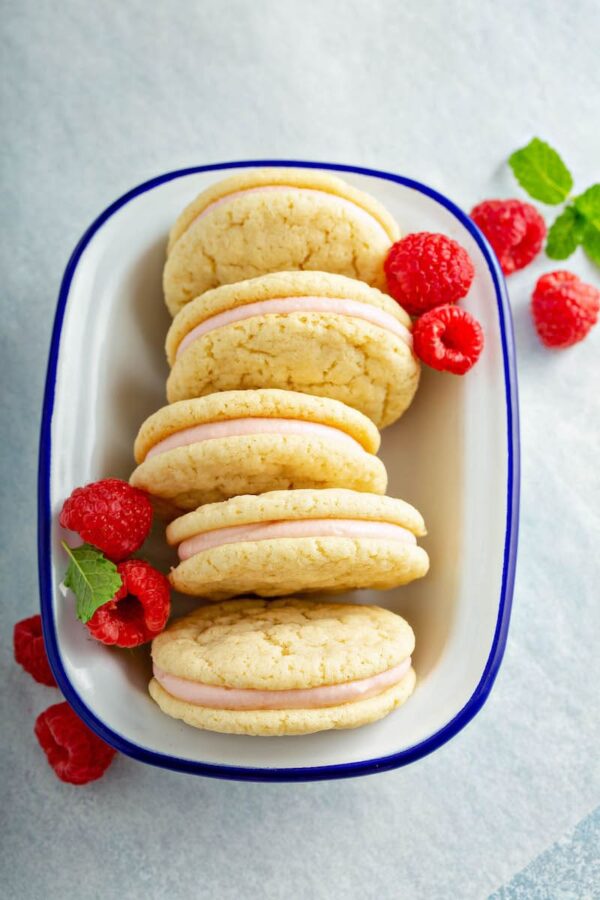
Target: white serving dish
(454, 455)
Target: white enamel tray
(454, 455)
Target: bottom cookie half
(278, 722)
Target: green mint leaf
(565, 234)
(591, 242)
(92, 577)
(541, 172)
(588, 204)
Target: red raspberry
(138, 611)
(564, 309)
(109, 514)
(424, 270)
(30, 652)
(448, 339)
(515, 230)
(76, 754)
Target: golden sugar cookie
(271, 220)
(312, 332)
(282, 667)
(248, 442)
(298, 541)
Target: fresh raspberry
(138, 611)
(76, 754)
(564, 308)
(424, 270)
(515, 230)
(30, 652)
(113, 516)
(448, 339)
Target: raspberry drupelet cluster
(515, 230)
(110, 514)
(115, 519)
(76, 754)
(428, 274)
(425, 270)
(30, 652)
(448, 339)
(124, 604)
(564, 309)
(138, 611)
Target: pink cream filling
(299, 528)
(310, 698)
(343, 201)
(252, 425)
(283, 305)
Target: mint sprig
(588, 206)
(92, 577)
(542, 173)
(591, 244)
(566, 234)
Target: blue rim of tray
(309, 773)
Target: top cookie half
(271, 220)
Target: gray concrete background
(98, 97)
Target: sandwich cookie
(307, 331)
(285, 667)
(287, 542)
(248, 442)
(273, 220)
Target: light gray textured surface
(98, 97)
(568, 870)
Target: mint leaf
(541, 172)
(588, 207)
(92, 577)
(565, 234)
(591, 242)
(588, 204)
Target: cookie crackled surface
(291, 666)
(297, 541)
(270, 220)
(311, 332)
(248, 442)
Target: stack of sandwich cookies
(249, 442)
(297, 541)
(285, 667)
(286, 358)
(312, 332)
(275, 220)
